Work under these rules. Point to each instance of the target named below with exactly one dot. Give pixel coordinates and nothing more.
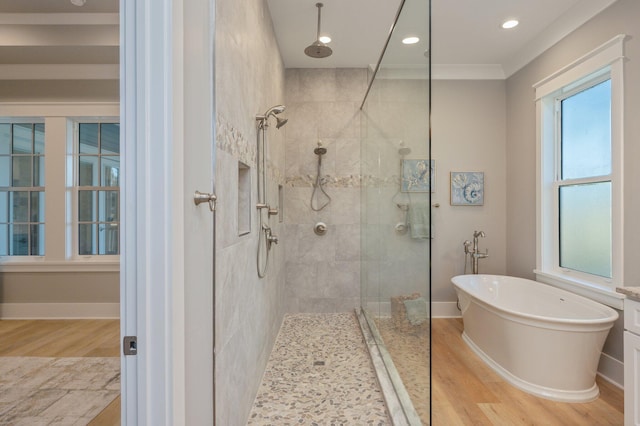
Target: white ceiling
(53, 39)
(465, 32)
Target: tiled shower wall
(323, 272)
(248, 310)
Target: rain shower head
(318, 49)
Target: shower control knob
(320, 228)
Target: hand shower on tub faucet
(474, 252)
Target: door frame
(166, 295)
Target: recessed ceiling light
(410, 40)
(78, 2)
(325, 39)
(510, 23)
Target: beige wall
(248, 310)
(468, 134)
(620, 18)
(59, 287)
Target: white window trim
(58, 259)
(73, 155)
(609, 57)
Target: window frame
(28, 189)
(604, 62)
(58, 119)
(73, 183)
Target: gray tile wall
(323, 272)
(248, 310)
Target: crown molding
(568, 22)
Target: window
(98, 182)
(583, 179)
(579, 220)
(73, 222)
(22, 189)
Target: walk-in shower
(396, 235)
(266, 238)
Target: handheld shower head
(320, 150)
(277, 109)
(273, 111)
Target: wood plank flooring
(65, 338)
(467, 392)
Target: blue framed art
(467, 188)
(418, 176)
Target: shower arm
(319, 5)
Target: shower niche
(244, 199)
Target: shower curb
(399, 405)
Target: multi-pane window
(584, 179)
(98, 181)
(22, 189)
(579, 198)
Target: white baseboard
(611, 370)
(59, 310)
(438, 309)
(445, 310)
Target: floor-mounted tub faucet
(475, 250)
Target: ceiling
(465, 32)
(55, 40)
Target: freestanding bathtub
(541, 339)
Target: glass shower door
(398, 174)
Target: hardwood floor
(467, 392)
(65, 338)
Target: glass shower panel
(397, 170)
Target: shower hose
(317, 185)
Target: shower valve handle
(272, 212)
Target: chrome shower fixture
(319, 151)
(272, 112)
(318, 49)
(266, 237)
(403, 150)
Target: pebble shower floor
(319, 372)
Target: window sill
(38, 264)
(600, 293)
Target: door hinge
(130, 345)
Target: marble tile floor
(319, 373)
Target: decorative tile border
(350, 181)
(232, 141)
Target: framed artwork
(418, 176)
(467, 188)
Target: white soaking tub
(541, 339)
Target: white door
(167, 257)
